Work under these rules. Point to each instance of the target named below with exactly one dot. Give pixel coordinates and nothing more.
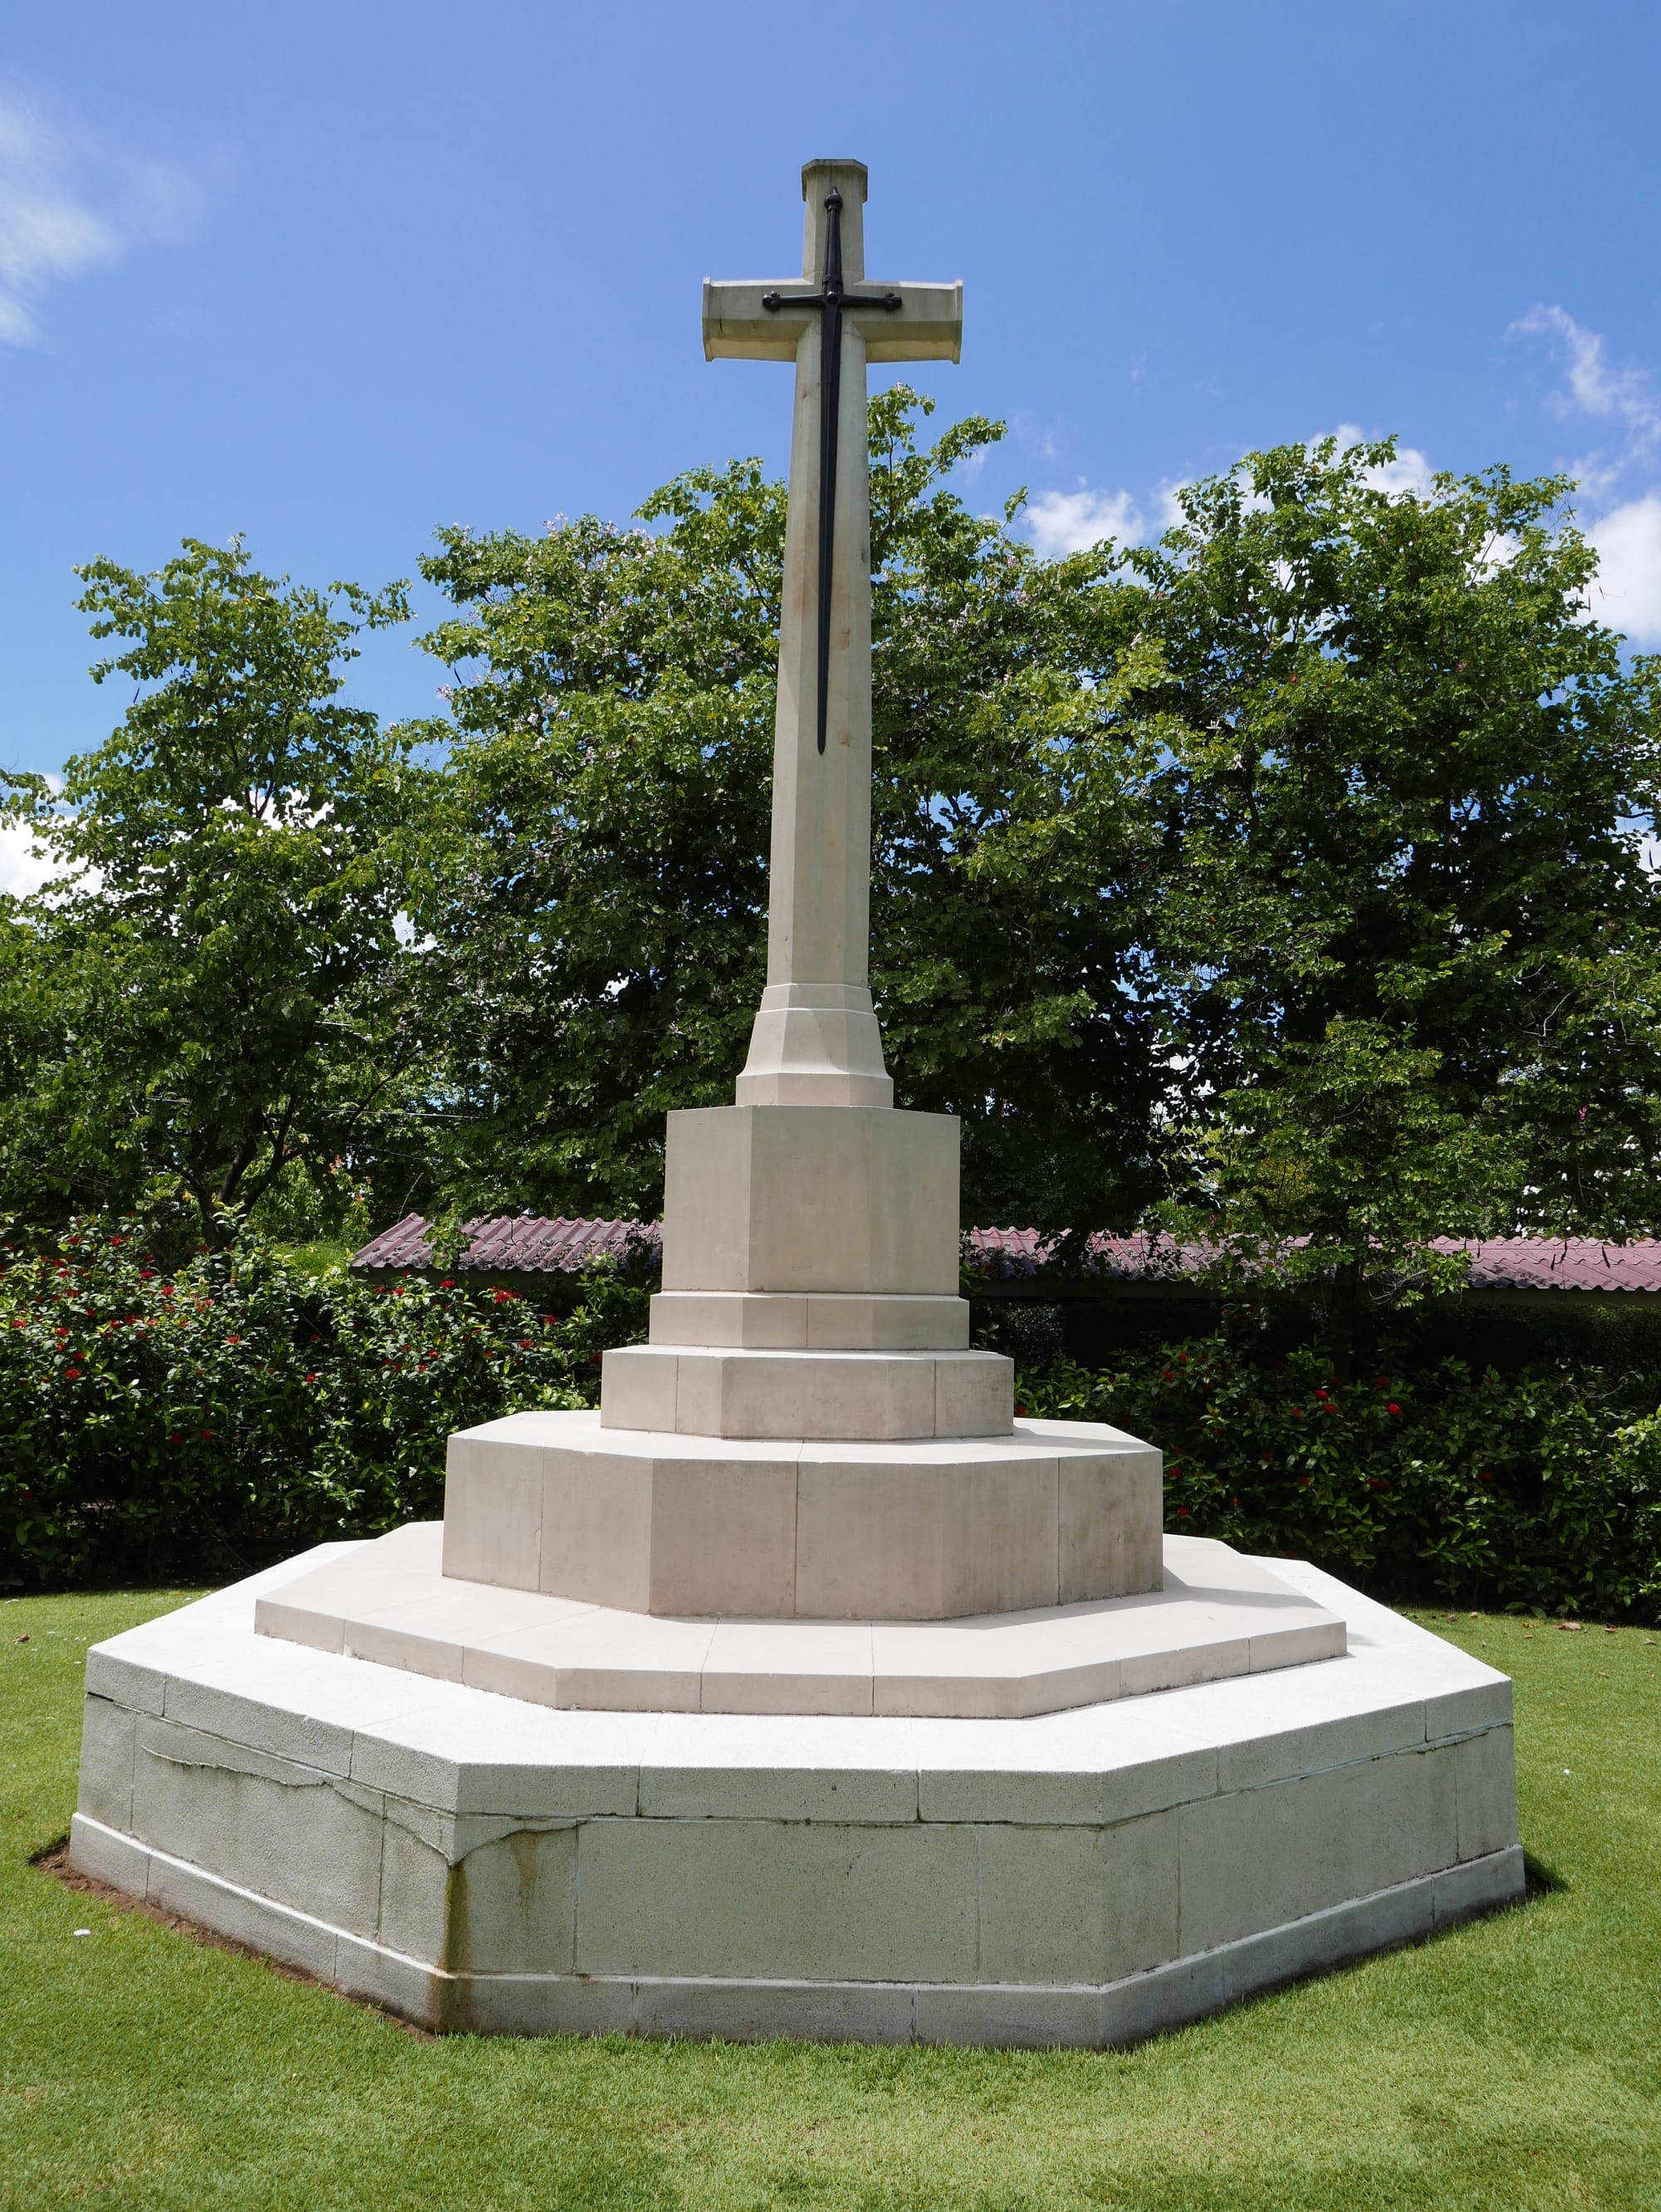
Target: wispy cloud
(1627, 594)
(70, 206)
(1624, 398)
(1063, 522)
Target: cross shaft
(816, 1040)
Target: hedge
(1538, 1489)
(208, 1418)
(204, 1419)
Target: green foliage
(599, 918)
(1537, 1489)
(211, 1417)
(1285, 877)
(1404, 923)
(1280, 885)
(595, 920)
(214, 992)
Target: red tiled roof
(517, 1244)
(527, 1244)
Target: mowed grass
(1513, 2065)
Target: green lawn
(1515, 2064)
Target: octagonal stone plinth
(1053, 1513)
(478, 1861)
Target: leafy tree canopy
(211, 991)
(1285, 877)
(1281, 882)
(601, 918)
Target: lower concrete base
(1086, 1877)
(1035, 2015)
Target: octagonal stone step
(924, 1530)
(1217, 1614)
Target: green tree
(1403, 789)
(1285, 876)
(215, 988)
(601, 914)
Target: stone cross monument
(805, 1503)
(816, 1041)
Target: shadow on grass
(1543, 1879)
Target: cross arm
(738, 327)
(927, 325)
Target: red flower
(1381, 1381)
(114, 1241)
(1234, 1501)
(1183, 1513)
(177, 1436)
(1297, 1412)
(308, 1378)
(234, 1340)
(20, 1324)
(1304, 1481)
(206, 1435)
(448, 1283)
(1377, 1482)
(523, 1343)
(71, 1374)
(1167, 1377)
(148, 1275)
(1392, 1407)
(1021, 1411)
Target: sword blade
(830, 400)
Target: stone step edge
(1015, 2015)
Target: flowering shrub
(1538, 1489)
(206, 1420)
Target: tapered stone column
(816, 1041)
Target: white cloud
(1627, 594)
(23, 866)
(1063, 522)
(1410, 471)
(69, 207)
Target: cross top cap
(850, 177)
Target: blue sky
(332, 275)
